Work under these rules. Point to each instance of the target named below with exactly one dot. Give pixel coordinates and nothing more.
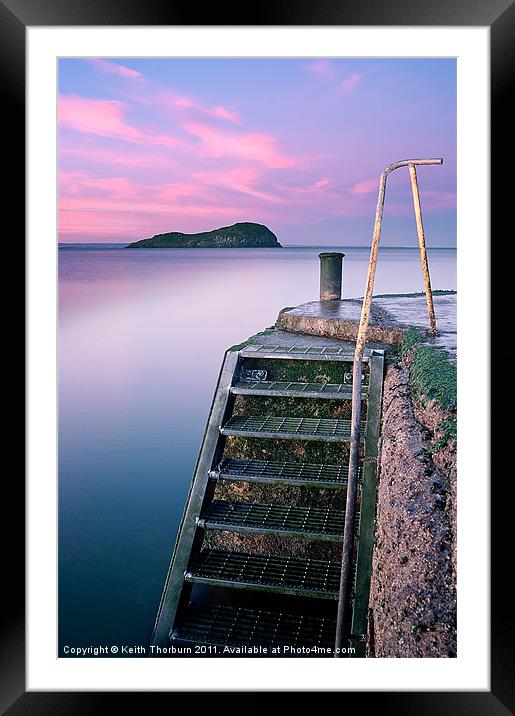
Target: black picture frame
(15, 17)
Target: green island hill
(241, 235)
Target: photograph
(257, 247)
(257, 357)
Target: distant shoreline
(334, 247)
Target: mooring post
(331, 276)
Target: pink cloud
(97, 206)
(150, 91)
(365, 187)
(155, 92)
(322, 68)
(350, 82)
(224, 113)
(401, 201)
(172, 101)
(150, 205)
(323, 198)
(180, 190)
(316, 189)
(104, 118)
(138, 157)
(326, 69)
(254, 145)
(179, 101)
(113, 68)
(132, 220)
(100, 205)
(244, 180)
(322, 183)
(75, 183)
(95, 116)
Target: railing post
(343, 621)
(422, 247)
(331, 276)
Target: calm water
(142, 335)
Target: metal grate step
(300, 352)
(298, 473)
(290, 389)
(268, 426)
(286, 575)
(291, 521)
(224, 625)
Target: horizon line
(283, 246)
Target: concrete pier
(390, 317)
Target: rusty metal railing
(342, 624)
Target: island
(243, 235)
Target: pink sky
(150, 146)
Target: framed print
(214, 469)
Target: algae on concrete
(294, 451)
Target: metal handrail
(342, 624)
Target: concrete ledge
(413, 589)
(340, 320)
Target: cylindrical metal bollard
(331, 276)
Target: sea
(141, 337)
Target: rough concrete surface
(431, 416)
(412, 310)
(390, 317)
(413, 593)
(340, 320)
(413, 590)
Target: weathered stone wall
(413, 591)
(340, 320)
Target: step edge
(193, 578)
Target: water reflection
(142, 334)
